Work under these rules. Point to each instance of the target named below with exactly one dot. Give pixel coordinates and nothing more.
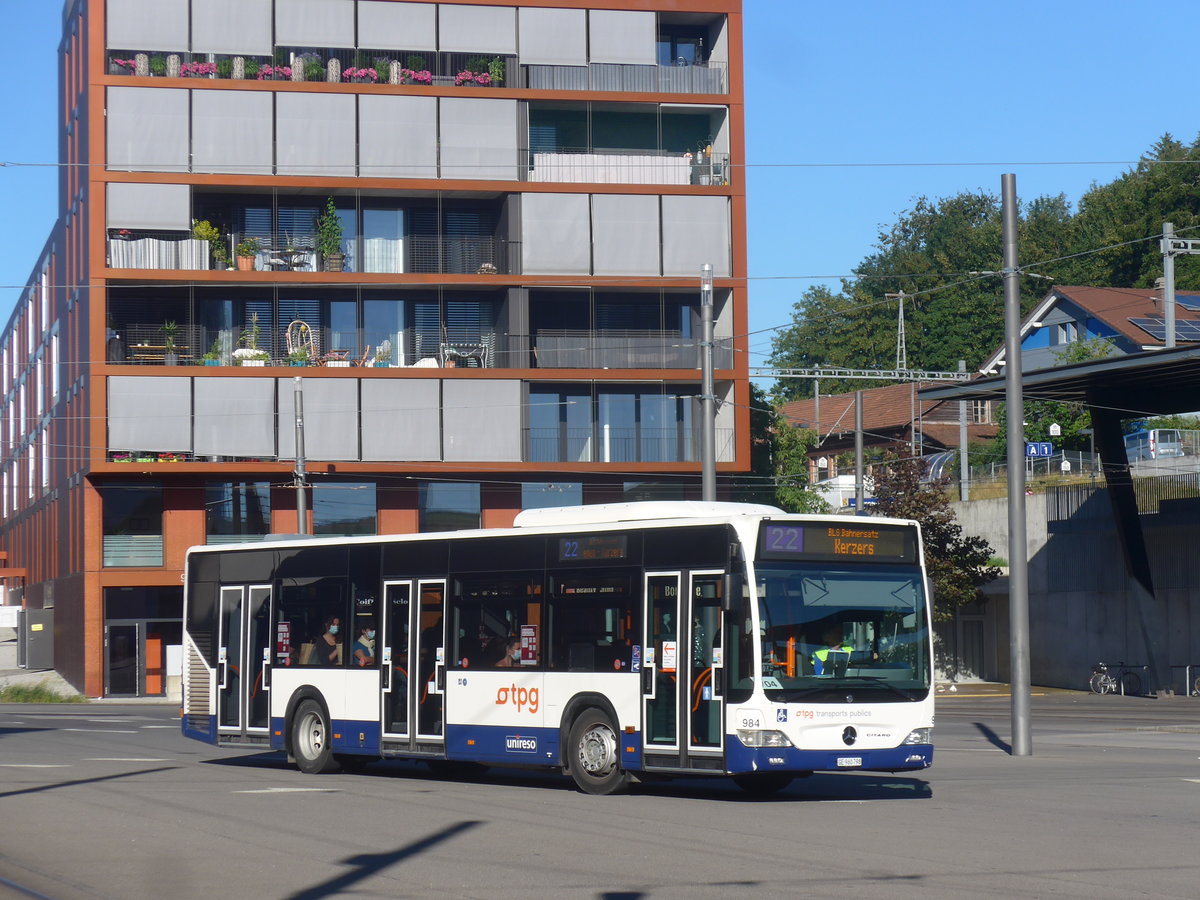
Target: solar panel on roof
(1185, 329)
(1188, 301)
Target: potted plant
(383, 354)
(297, 358)
(246, 250)
(204, 230)
(329, 238)
(213, 356)
(249, 356)
(169, 330)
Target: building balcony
(565, 166)
(623, 349)
(605, 443)
(702, 78)
(178, 250)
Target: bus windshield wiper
(884, 683)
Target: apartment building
(473, 231)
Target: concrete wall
(1080, 609)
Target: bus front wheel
(311, 739)
(595, 756)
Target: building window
(342, 508)
(132, 517)
(981, 412)
(542, 494)
(237, 511)
(448, 506)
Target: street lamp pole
(708, 406)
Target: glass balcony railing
(133, 550)
(710, 78)
(567, 165)
(623, 349)
(629, 444)
(138, 249)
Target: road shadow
(994, 739)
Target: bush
(36, 693)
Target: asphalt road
(109, 801)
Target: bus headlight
(757, 738)
(919, 736)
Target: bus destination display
(589, 548)
(852, 541)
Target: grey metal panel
(231, 132)
(148, 412)
(481, 420)
(553, 37)
(330, 419)
(147, 129)
(397, 26)
(147, 24)
(314, 134)
(238, 27)
(625, 234)
(478, 138)
(314, 23)
(397, 136)
(235, 417)
(622, 37)
(477, 29)
(159, 207)
(401, 420)
(555, 234)
(695, 231)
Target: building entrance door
(122, 660)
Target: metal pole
(964, 471)
(1018, 559)
(1168, 284)
(708, 442)
(859, 488)
(301, 496)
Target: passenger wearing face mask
(512, 654)
(328, 650)
(364, 647)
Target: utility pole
(298, 474)
(1168, 285)
(901, 344)
(964, 472)
(708, 406)
(860, 498)
(1018, 550)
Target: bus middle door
(244, 658)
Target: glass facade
(237, 511)
(448, 506)
(343, 508)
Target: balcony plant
(213, 356)
(383, 354)
(204, 230)
(158, 66)
(298, 358)
(250, 356)
(246, 250)
(329, 238)
(169, 330)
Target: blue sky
(852, 111)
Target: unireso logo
(515, 743)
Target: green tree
(758, 486)
(957, 565)
(789, 448)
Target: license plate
(849, 761)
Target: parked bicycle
(1103, 681)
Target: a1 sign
(1038, 449)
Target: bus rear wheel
(763, 783)
(594, 755)
(311, 739)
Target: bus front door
(683, 673)
(244, 660)
(412, 658)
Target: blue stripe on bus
(355, 736)
(503, 744)
(200, 728)
(739, 758)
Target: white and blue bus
(610, 642)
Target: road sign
(1038, 449)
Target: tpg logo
(514, 743)
(523, 698)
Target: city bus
(613, 643)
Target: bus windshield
(827, 631)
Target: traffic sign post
(1038, 449)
